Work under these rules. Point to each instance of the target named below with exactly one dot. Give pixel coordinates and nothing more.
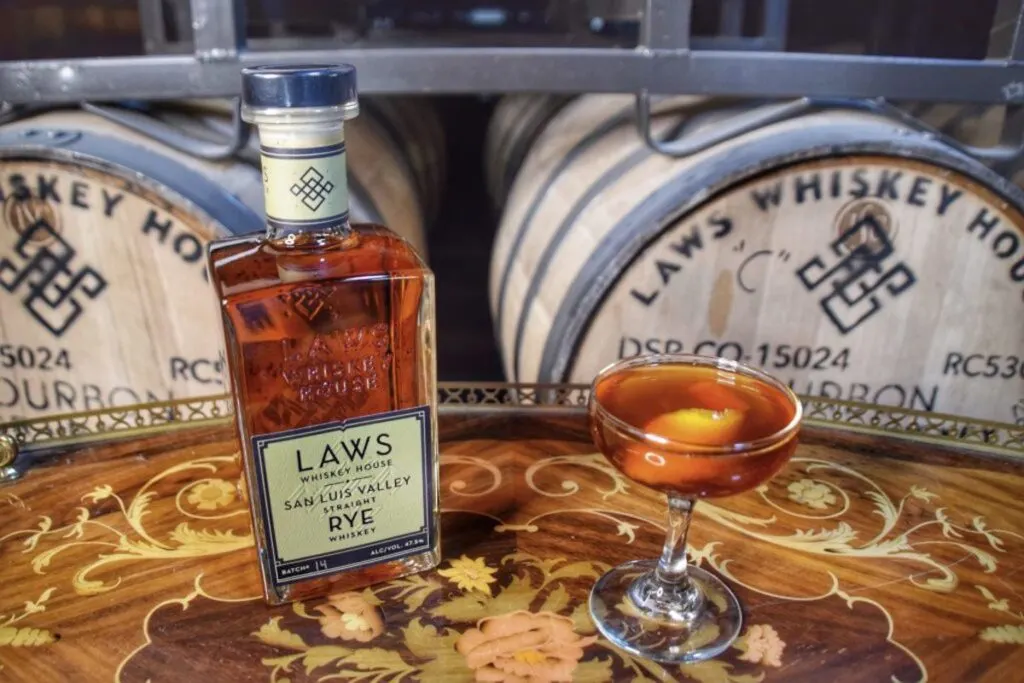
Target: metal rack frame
(666, 62)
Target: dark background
(460, 243)
(460, 240)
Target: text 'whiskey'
(329, 331)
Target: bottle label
(305, 188)
(346, 494)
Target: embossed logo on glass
(313, 188)
(307, 302)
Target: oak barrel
(414, 128)
(851, 257)
(104, 296)
(516, 122)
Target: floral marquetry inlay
(811, 493)
(761, 644)
(351, 616)
(470, 574)
(211, 494)
(13, 629)
(139, 566)
(129, 540)
(535, 628)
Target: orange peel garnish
(698, 426)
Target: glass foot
(662, 622)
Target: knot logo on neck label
(305, 188)
(313, 189)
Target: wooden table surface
(869, 558)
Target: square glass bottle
(329, 333)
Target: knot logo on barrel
(44, 273)
(858, 275)
(313, 188)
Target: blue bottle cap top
(294, 86)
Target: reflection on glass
(692, 427)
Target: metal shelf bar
(666, 25)
(780, 74)
(151, 24)
(776, 21)
(218, 28)
(563, 70)
(731, 21)
(1017, 47)
(663, 64)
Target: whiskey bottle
(329, 334)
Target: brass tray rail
(29, 439)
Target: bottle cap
(313, 86)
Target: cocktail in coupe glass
(692, 427)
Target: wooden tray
(889, 549)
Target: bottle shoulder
(248, 262)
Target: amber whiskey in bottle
(329, 332)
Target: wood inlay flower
(522, 647)
(24, 636)
(762, 645)
(350, 617)
(813, 494)
(470, 574)
(211, 494)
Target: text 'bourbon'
(329, 331)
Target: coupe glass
(664, 609)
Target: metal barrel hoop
(999, 156)
(140, 122)
(176, 138)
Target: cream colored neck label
(346, 494)
(305, 187)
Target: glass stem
(672, 565)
